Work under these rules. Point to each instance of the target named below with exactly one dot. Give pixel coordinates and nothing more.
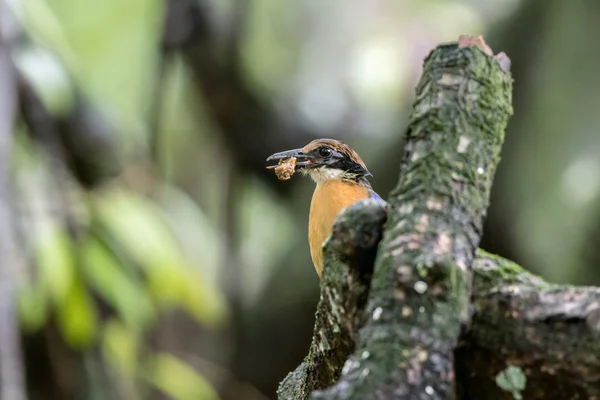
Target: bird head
(326, 159)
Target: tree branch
(419, 294)
(550, 332)
(526, 338)
(349, 257)
(420, 290)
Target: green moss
(513, 380)
(344, 289)
(420, 290)
(492, 271)
(436, 214)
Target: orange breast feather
(328, 200)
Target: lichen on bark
(349, 254)
(551, 332)
(420, 290)
(406, 331)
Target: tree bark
(419, 294)
(547, 334)
(349, 257)
(408, 332)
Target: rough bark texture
(550, 333)
(420, 291)
(419, 295)
(349, 255)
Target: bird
(340, 176)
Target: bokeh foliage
(105, 263)
(177, 226)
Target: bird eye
(324, 151)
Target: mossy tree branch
(349, 255)
(550, 332)
(406, 333)
(419, 295)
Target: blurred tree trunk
(12, 380)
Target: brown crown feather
(336, 145)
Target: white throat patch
(322, 174)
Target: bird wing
(375, 196)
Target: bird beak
(302, 160)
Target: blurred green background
(151, 253)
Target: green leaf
(104, 273)
(41, 23)
(189, 222)
(512, 379)
(261, 214)
(117, 71)
(48, 78)
(120, 346)
(76, 317)
(178, 380)
(182, 287)
(32, 308)
(138, 225)
(54, 258)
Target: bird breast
(329, 198)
